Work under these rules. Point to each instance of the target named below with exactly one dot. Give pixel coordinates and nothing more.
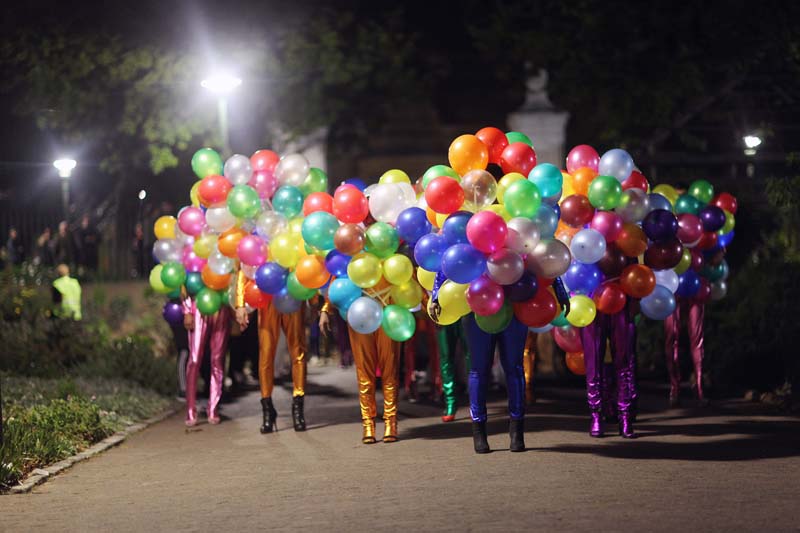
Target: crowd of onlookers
(77, 246)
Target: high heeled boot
(368, 431)
(626, 426)
(596, 427)
(298, 417)
(516, 431)
(479, 439)
(269, 416)
(390, 430)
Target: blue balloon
(284, 303)
(659, 201)
(582, 278)
(429, 250)
(364, 315)
(357, 183)
(688, 284)
(412, 224)
(616, 162)
(454, 228)
(725, 239)
(523, 289)
(462, 263)
(659, 304)
(271, 277)
(342, 292)
(548, 178)
(336, 263)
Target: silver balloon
(248, 225)
(719, 289)
(182, 238)
(617, 163)
(249, 271)
(523, 235)
(219, 218)
(505, 266)
(284, 303)
(588, 246)
(364, 315)
(387, 200)
(238, 170)
(269, 224)
(668, 279)
(549, 259)
(634, 204)
(219, 264)
(168, 250)
(292, 170)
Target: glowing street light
(142, 194)
(222, 84)
(65, 166)
(751, 143)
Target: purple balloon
(271, 277)
(712, 217)
(173, 313)
(660, 225)
(523, 289)
(582, 278)
(336, 263)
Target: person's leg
(409, 368)
(343, 341)
(623, 356)
(446, 339)
(672, 336)
(529, 364)
(696, 317)
(389, 361)
(183, 358)
(294, 330)
(197, 344)
(365, 355)
(512, 346)
(481, 347)
(219, 329)
(268, 333)
(591, 337)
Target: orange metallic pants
(529, 364)
(269, 320)
(370, 351)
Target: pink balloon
(690, 228)
(265, 183)
(191, 221)
(568, 338)
(582, 155)
(487, 231)
(608, 223)
(191, 261)
(252, 250)
(485, 297)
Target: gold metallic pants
(269, 320)
(529, 363)
(371, 351)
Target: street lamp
(751, 143)
(222, 84)
(65, 166)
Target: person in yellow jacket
(66, 295)
(270, 322)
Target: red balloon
(726, 201)
(518, 157)
(213, 189)
(568, 338)
(350, 204)
(690, 228)
(698, 260)
(613, 262)
(495, 140)
(254, 297)
(636, 181)
(708, 240)
(539, 310)
(318, 201)
(608, 223)
(576, 210)
(609, 298)
(664, 255)
(264, 160)
(444, 195)
(576, 363)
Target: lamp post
(222, 84)
(751, 143)
(65, 166)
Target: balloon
(505, 182)
(703, 294)
(581, 311)
(254, 297)
(576, 363)
(547, 178)
(605, 192)
(660, 225)
(690, 229)
(349, 239)
(523, 289)
(426, 278)
(730, 223)
(164, 227)
(559, 321)
(205, 244)
(228, 242)
(484, 296)
(661, 256)
(412, 224)
(636, 181)
(687, 204)
(364, 315)
(284, 250)
(318, 201)
(319, 229)
(408, 295)
(582, 155)
(444, 195)
(264, 182)
(462, 263)
(637, 281)
(505, 266)
(576, 210)
(549, 259)
(429, 250)
(726, 202)
(220, 264)
(191, 261)
(523, 235)
(486, 232)
(632, 240)
(350, 204)
(398, 323)
(568, 339)
(667, 278)
(269, 224)
(712, 272)
(311, 272)
(466, 153)
(609, 298)
(668, 192)
(517, 157)
(608, 224)
(191, 220)
(315, 182)
(453, 297)
(546, 220)
(364, 270)
(617, 163)
(634, 204)
(613, 262)
(712, 217)
(252, 251)
(381, 240)
(296, 289)
(495, 141)
(173, 313)
(581, 179)
(264, 161)
(685, 262)
(538, 311)
(658, 201)
(454, 228)
(219, 218)
(285, 303)
(522, 199)
(659, 304)
(707, 241)
(702, 190)
(208, 301)
(271, 277)
(292, 170)
(206, 161)
(167, 250)
(480, 189)
(718, 290)
(497, 322)
(437, 171)
(155, 280)
(397, 269)
(688, 284)
(238, 169)
(518, 137)
(194, 195)
(213, 189)
(288, 201)
(582, 278)
(193, 283)
(588, 246)
(336, 263)
(394, 176)
(342, 292)
(387, 200)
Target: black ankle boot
(298, 418)
(270, 414)
(516, 431)
(479, 437)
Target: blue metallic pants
(481, 347)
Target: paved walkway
(726, 468)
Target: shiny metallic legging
(447, 338)
(370, 351)
(695, 312)
(218, 327)
(481, 346)
(529, 363)
(270, 322)
(619, 329)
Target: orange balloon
(581, 179)
(431, 214)
(213, 280)
(575, 363)
(637, 281)
(311, 272)
(466, 153)
(255, 297)
(229, 242)
(631, 241)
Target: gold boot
(390, 432)
(369, 431)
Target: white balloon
(588, 246)
(238, 170)
(269, 224)
(167, 250)
(220, 264)
(668, 279)
(292, 170)
(388, 200)
(219, 218)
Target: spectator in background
(137, 247)
(42, 252)
(63, 245)
(14, 249)
(87, 242)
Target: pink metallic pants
(217, 326)
(672, 324)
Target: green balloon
(316, 181)
(437, 171)
(605, 192)
(243, 201)
(208, 301)
(497, 322)
(296, 290)
(522, 199)
(288, 201)
(155, 280)
(206, 162)
(225, 297)
(715, 272)
(382, 240)
(173, 275)
(398, 323)
(319, 228)
(517, 137)
(194, 283)
(560, 320)
(175, 294)
(687, 204)
(702, 190)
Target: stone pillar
(541, 121)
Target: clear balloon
(480, 189)
(270, 223)
(219, 218)
(364, 315)
(167, 250)
(387, 200)
(238, 169)
(617, 163)
(634, 204)
(292, 170)
(219, 263)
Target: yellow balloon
(194, 196)
(500, 210)
(453, 297)
(283, 249)
(407, 295)
(164, 227)
(440, 218)
(394, 176)
(505, 182)
(364, 270)
(426, 278)
(397, 269)
(446, 317)
(581, 311)
(567, 189)
(204, 245)
(155, 280)
(296, 225)
(667, 191)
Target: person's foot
(449, 411)
(674, 397)
(390, 430)
(516, 431)
(596, 426)
(368, 431)
(626, 426)
(214, 420)
(298, 417)
(703, 402)
(479, 440)
(269, 416)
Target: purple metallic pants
(620, 330)
(695, 312)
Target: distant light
(750, 151)
(221, 83)
(752, 141)
(65, 167)
(142, 194)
